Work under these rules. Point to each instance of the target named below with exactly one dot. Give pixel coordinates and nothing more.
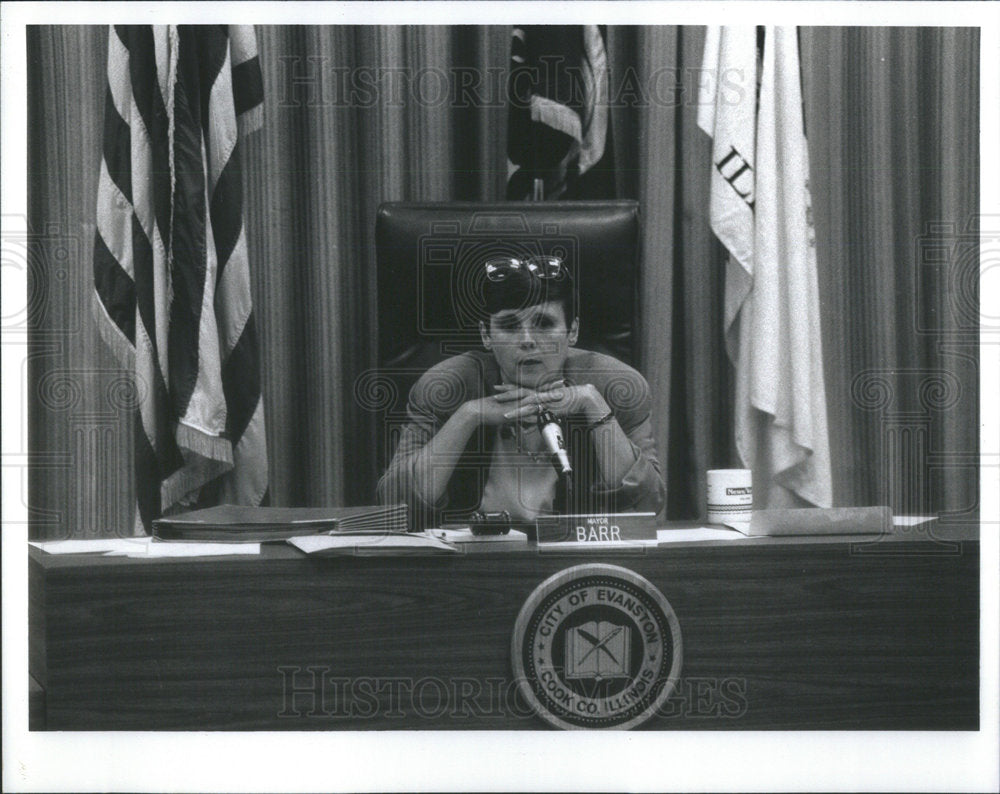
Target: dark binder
(235, 523)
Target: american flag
(170, 261)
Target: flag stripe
(248, 85)
(233, 303)
(212, 46)
(220, 129)
(241, 381)
(119, 81)
(149, 256)
(153, 115)
(117, 148)
(114, 221)
(243, 45)
(170, 261)
(114, 289)
(151, 184)
(147, 474)
(142, 267)
(189, 234)
(154, 408)
(206, 410)
(227, 212)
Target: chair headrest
(430, 259)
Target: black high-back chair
(430, 284)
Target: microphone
(552, 433)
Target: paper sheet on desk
(364, 545)
(798, 522)
(181, 549)
(91, 546)
(145, 547)
(911, 521)
(697, 533)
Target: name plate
(608, 528)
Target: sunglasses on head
(499, 268)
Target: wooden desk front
(820, 633)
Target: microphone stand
(566, 483)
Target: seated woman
(472, 441)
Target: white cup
(730, 496)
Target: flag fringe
(204, 444)
(205, 458)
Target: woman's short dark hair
(521, 289)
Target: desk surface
(933, 533)
(827, 632)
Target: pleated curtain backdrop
(892, 120)
(79, 401)
(663, 160)
(354, 116)
(893, 125)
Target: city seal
(596, 646)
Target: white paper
(145, 547)
(91, 546)
(697, 533)
(370, 544)
(910, 521)
(154, 548)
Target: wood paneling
(776, 634)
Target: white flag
(760, 210)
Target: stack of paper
(362, 545)
(231, 523)
(145, 547)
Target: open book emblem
(598, 649)
(596, 646)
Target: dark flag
(170, 260)
(557, 126)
